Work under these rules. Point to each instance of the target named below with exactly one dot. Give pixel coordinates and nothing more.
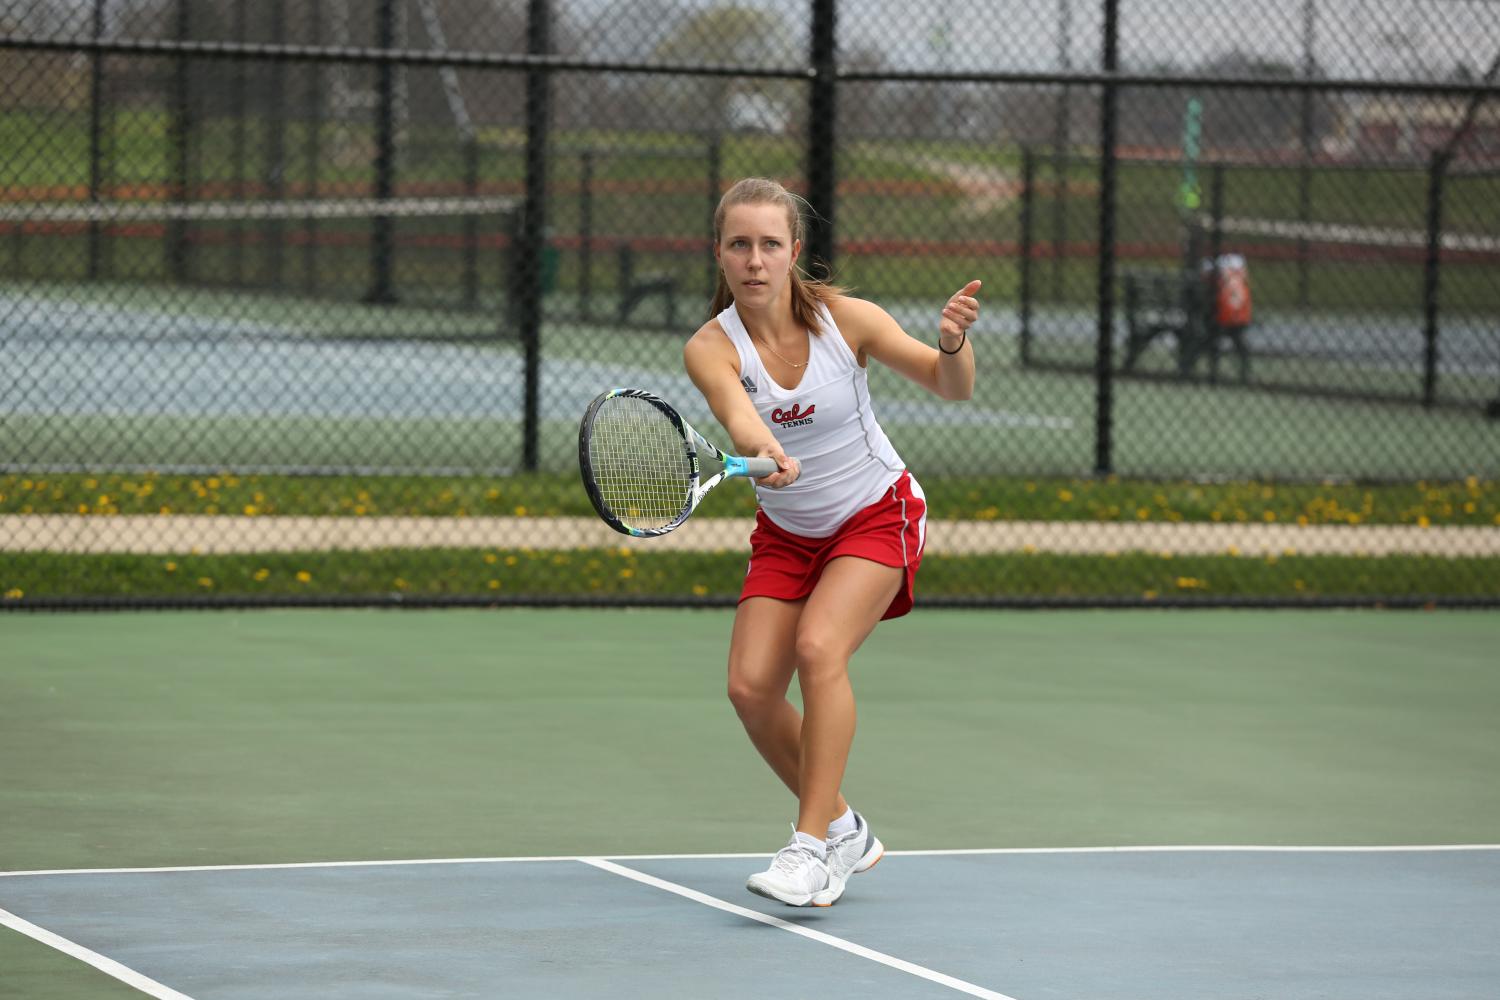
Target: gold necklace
(784, 358)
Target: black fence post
(179, 163)
(275, 176)
(1215, 213)
(239, 84)
(1104, 361)
(715, 192)
(822, 176)
(1304, 172)
(1437, 167)
(586, 235)
(314, 150)
(527, 258)
(1210, 318)
(471, 221)
(96, 143)
(383, 227)
(1028, 201)
(1059, 226)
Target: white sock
(812, 843)
(844, 824)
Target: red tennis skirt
(891, 531)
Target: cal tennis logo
(749, 384)
(795, 417)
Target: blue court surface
(1227, 923)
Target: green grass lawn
(626, 575)
(650, 185)
(984, 498)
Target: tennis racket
(639, 460)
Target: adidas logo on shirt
(749, 384)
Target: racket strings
(640, 463)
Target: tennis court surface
(560, 803)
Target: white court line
(1126, 849)
(108, 966)
(290, 864)
(920, 971)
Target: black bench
(636, 288)
(1181, 305)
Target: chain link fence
(303, 302)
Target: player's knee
(750, 699)
(820, 657)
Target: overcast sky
(1364, 38)
(1359, 38)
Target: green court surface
(231, 738)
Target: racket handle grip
(754, 468)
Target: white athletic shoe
(854, 852)
(797, 877)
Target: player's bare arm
(946, 371)
(713, 365)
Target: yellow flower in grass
(170, 567)
(511, 560)
(400, 584)
(520, 511)
(205, 582)
(494, 584)
(14, 594)
(262, 574)
(627, 573)
(303, 576)
(491, 558)
(251, 510)
(699, 589)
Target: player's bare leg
(843, 609)
(762, 659)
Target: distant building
(1394, 127)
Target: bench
(636, 288)
(1178, 304)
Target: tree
(730, 35)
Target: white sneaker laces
(792, 858)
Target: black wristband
(962, 341)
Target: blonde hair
(807, 293)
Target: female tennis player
(840, 528)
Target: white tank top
(826, 423)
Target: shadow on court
(1160, 923)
